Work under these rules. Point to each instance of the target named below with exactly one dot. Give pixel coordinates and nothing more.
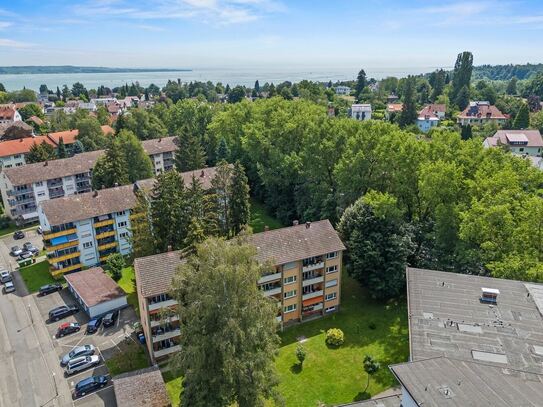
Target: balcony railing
(162, 304)
(63, 245)
(105, 234)
(165, 320)
(107, 246)
(273, 291)
(313, 266)
(59, 272)
(49, 235)
(166, 335)
(314, 280)
(166, 351)
(269, 277)
(104, 223)
(53, 260)
(314, 294)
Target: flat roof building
(141, 388)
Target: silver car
(5, 276)
(81, 363)
(9, 287)
(78, 351)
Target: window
(521, 149)
(288, 266)
(289, 294)
(124, 235)
(331, 283)
(330, 309)
(289, 280)
(18, 164)
(17, 156)
(120, 213)
(331, 255)
(330, 297)
(122, 224)
(289, 308)
(84, 235)
(331, 269)
(87, 245)
(41, 194)
(39, 183)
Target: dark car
(109, 319)
(93, 325)
(62, 312)
(19, 235)
(49, 288)
(29, 247)
(89, 384)
(67, 328)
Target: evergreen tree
(111, 169)
(140, 166)
(512, 86)
(190, 155)
(462, 99)
(522, 119)
(141, 236)
(272, 91)
(3, 89)
(203, 206)
(438, 85)
(239, 206)
(120, 123)
(221, 183)
(91, 134)
(61, 149)
(77, 147)
(223, 152)
(40, 152)
(58, 93)
(466, 133)
(361, 83)
(195, 236)
(461, 76)
(409, 109)
(257, 87)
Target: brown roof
(432, 110)
(7, 112)
(64, 167)
(21, 146)
(18, 127)
(205, 176)
(296, 242)
(154, 273)
(89, 204)
(141, 388)
(94, 286)
(69, 136)
(505, 136)
(160, 145)
(394, 107)
(482, 110)
(36, 120)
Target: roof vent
(95, 193)
(489, 295)
(307, 225)
(202, 174)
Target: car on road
(78, 351)
(5, 276)
(29, 247)
(93, 325)
(19, 234)
(67, 328)
(89, 384)
(49, 288)
(39, 230)
(9, 287)
(110, 318)
(15, 251)
(81, 363)
(62, 312)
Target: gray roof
(446, 318)
(94, 286)
(293, 243)
(205, 175)
(88, 205)
(160, 145)
(78, 164)
(141, 388)
(532, 137)
(452, 382)
(154, 273)
(388, 401)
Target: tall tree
(90, 134)
(522, 119)
(236, 95)
(221, 183)
(257, 87)
(463, 68)
(223, 152)
(361, 83)
(61, 149)
(228, 356)
(111, 169)
(190, 155)
(239, 207)
(409, 109)
(139, 164)
(195, 236)
(512, 86)
(141, 232)
(77, 147)
(40, 152)
(462, 99)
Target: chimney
(295, 223)
(307, 225)
(116, 184)
(95, 193)
(170, 249)
(202, 174)
(45, 164)
(266, 228)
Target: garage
(95, 291)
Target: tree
(141, 232)
(465, 132)
(2, 88)
(222, 182)
(190, 155)
(257, 87)
(77, 147)
(115, 264)
(58, 93)
(377, 242)
(195, 236)
(522, 119)
(461, 75)
(236, 95)
(239, 205)
(223, 152)
(78, 89)
(300, 354)
(139, 165)
(361, 83)
(409, 109)
(437, 81)
(512, 86)
(111, 169)
(44, 90)
(370, 367)
(462, 99)
(40, 152)
(61, 149)
(227, 356)
(102, 115)
(91, 134)
(30, 110)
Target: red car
(68, 328)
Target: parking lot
(7, 242)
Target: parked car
(49, 288)
(89, 384)
(29, 247)
(25, 255)
(15, 251)
(9, 287)
(93, 325)
(78, 351)
(110, 318)
(67, 328)
(81, 363)
(5, 276)
(62, 312)
(39, 230)
(19, 235)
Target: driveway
(7, 242)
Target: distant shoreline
(70, 69)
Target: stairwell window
(331, 296)
(331, 283)
(331, 269)
(289, 280)
(331, 255)
(289, 308)
(289, 294)
(122, 224)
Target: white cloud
(4, 25)
(8, 43)
(457, 9)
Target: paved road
(30, 374)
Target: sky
(269, 33)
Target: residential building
(430, 116)
(9, 114)
(15, 130)
(70, 136)
(83, 230)
(95, 292)
(343, 90)
(90, 106)
(479, 113)
(392, 110)
(162, 152)
(13, 152)
(103, 101)
(24, 187)
(141, 388)
(158, 310)
(361, 111)
(524, 142)
(392, 99)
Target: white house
(526, 142)
(430, 116)
(479, 113)
(342, 90)
(361, 111)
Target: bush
(335, 337)
(115, 264)
(372, 325)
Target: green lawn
(260, 218)
(8, 230)
(127, 283)
(131, 356)
(37, 275)
(173, 386)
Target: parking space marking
(93, 393)
(87, 371)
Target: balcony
(167, 335)
(63, 245)
(48, 235)
(59, 272)
(314, 280)
(53, 260)
(314, 294)
(162, 304)
(104, 223)
(105, 234)
(313, 266)
(56, 194)
(107, 246)
(269, 277)
(166, 351)
(166, 320)
(273, 291)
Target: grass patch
(260, 218)
(8, 230)
(128, 283)
(37, 275)
(173, 387)
(131, 356)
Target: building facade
(361, 111)
(430, 116)
(523, 142)
(162, 153)
(9, 114)
(480, 113)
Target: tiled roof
(160, 145)
(21, 146)
(141, 388)
(64, 167)
(69, 136)
(432, 110)
(394, 107)
(154, 273)
(533, 137)
(89, 204)
(36, 120)
(205, 176)
(482, 110)
(7, 112)
(18, 126)
(94, 286)
(296, 242)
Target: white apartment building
(162, 152)
(361, 111)
(523, 142)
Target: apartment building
(13, 152)
(522, 142)
(84, 229)
(161, 151)
(306, 279)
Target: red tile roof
(69, 136)
(7, 112)
(94, 286)
(481, 110)
(394, 107)
(21, 146)
(432, 110)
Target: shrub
(335, 337)
(115, 264)
(372, 325)
(300, 354)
